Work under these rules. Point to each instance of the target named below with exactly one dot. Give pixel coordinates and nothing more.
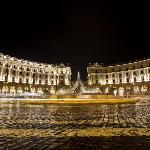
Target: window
(20, 80)
(134, 79)
(39, 81)
(133, 67)
(27, 80)
(120, 80)
(14, 72)
(6, 78)
(13, 79)
(96, 81)
(6, 71)
(113, 81)
(33, 81)
(142, 72)
(142, 78)
(46, 81)
(127, 80)
(21, 67)
(7, 65)
(61, 82)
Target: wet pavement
(85, 126)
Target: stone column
(131, 76)
(9, 75)
(1, 76)
(146, 74)
(17, 76)
(48, 79)
(30, 78)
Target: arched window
(20, 80)
(28, 69)
(27, 80)
(14, 72)
(114, 81)
(13, 79)
(6, 65)
(127, 80)
(134, 79)
(142, 72)
(120, 75)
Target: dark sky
(76, 32)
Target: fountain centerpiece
(78, 88)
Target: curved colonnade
(133, 77)
(19, 75)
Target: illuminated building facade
(133, 76)
(18, 75)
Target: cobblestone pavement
(50, 126)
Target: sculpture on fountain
(78, 88)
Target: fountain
(78, 88)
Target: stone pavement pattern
(62, 126)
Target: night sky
(76, 32)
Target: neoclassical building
(19, 75)
(133, 77)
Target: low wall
(86, 96)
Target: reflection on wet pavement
(73, 126)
